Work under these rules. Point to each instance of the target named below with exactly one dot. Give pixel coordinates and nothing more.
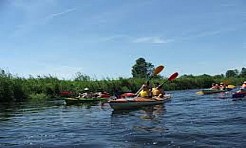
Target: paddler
(158, 91)
(243, 87)
(145, 93)
(222, 86)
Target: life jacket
(144, 93)
(155, 92)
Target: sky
(104, 38)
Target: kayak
(211, 91)
(83, 100)
(239, 95)
(131, 103)
(127, 95)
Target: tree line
(14, 88)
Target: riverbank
(15, 88)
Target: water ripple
(189, 120)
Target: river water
(188, 120)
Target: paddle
(231, 86)
(200, 93)
(156, 71)
(172, 77)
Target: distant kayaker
(86, 93)
(158, 91)
(215, 86)
(243, 87)
(222, 86)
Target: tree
(142, 68)
(219, 76)
(243, 72)
(232, 73)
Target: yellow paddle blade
(158, 69)
(199, 93)
(231, 86)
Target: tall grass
(14, 88)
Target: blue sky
(103, 38)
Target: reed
(14, 88)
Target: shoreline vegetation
(14, 88)
(17, 89)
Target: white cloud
(152, 40)
(208, 33)
(51, 16)
(114, 38)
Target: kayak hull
(212, 91)
(131, 103)
(239, 95)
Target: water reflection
(147, 112)
(7, 110)
(87, 105)
(142, 126)
(14, 109)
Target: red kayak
(239, 95)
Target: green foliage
(13, 88)
(38, 97)
(243, 73)
(142, 68)
(232, 73)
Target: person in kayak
(145, 93)
(222, 86)
(243, 87)
(215, 86)
(158, 91)
(86, 93)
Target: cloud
(152, 40)
(51, 16)
(115, 38)
(208, 33)
(228, 5)
(36, 21)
